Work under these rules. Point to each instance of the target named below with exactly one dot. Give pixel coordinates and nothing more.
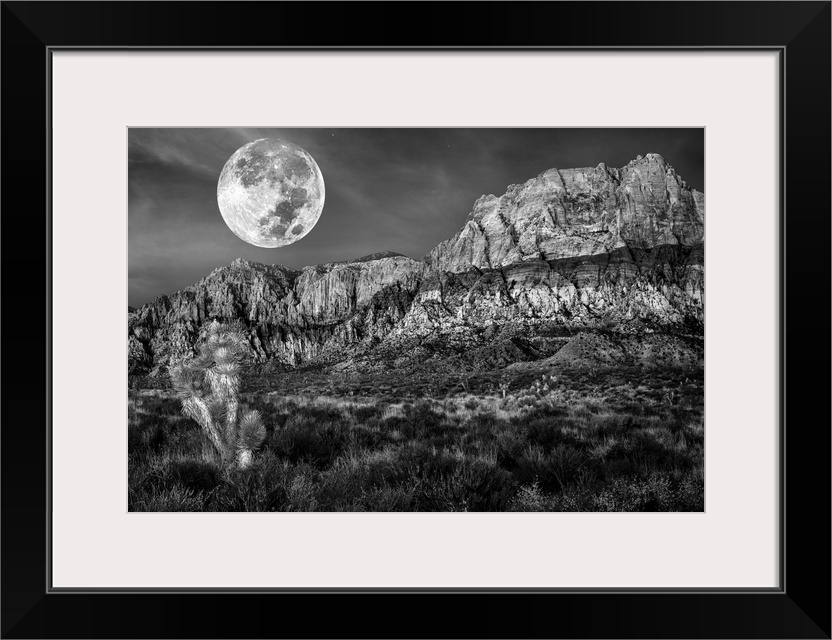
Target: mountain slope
(568, 250)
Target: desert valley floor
(523, 439)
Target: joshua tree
(209, 385)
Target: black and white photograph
(416, 319)
(451, 274)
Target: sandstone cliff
(571, 249)
(577, 212)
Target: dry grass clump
(593, 442)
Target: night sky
(402, 190)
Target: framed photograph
(418, 320)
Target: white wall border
(97, 95)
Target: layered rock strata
(619, 249)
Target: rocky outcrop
(334, 292)
(577, 212)
(593, 349)
(291, 316)
(574, 249)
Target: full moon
(270, 193)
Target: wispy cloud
(179, 148)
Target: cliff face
(577, 248)
(291, 316)
(577, 212)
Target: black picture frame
(799, 31)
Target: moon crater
(270, 193)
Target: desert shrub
(396, 423)
(544, 392)
(150, 437)
(484, 486)
(566, 463)
(301, 494)
(545, 432)
(339, 490)
(634, 494)
(364, 413)
(689, 494)
(386, 473)
(628, 452)
(482, 427)
(176, 498)
(529, 498)
(552, 470)
(302, 440)
(194, 474)
(421, 420)
(532, 466)
(420, 461)
(389, 498)
(509, 448)
(262, 486)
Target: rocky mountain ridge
(567, 251)
(577, 212)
